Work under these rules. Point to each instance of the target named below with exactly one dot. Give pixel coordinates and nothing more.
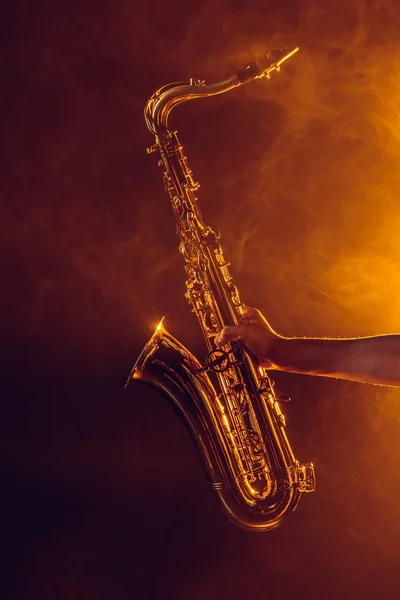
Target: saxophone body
(228, 404)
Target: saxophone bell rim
(159, 329)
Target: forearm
(368, 360)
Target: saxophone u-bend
(228, 404)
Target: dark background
(103, 494)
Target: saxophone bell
(256, 502)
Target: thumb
(230, 334)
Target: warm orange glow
(104, 496)
(334, 197)
(160, 325)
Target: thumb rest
(229, 404)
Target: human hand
(256, 334)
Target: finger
(230, 334)
(252, 314)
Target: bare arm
(373, 360)
(367, 360)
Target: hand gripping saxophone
(228, 404)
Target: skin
(374, 360)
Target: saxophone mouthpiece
(265, 64)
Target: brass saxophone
(228, 404)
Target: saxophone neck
(160, 105)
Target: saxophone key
(151, 149)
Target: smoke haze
(104, 494)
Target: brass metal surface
(229, 404)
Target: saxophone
(228, 403)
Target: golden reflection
(160, 325)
